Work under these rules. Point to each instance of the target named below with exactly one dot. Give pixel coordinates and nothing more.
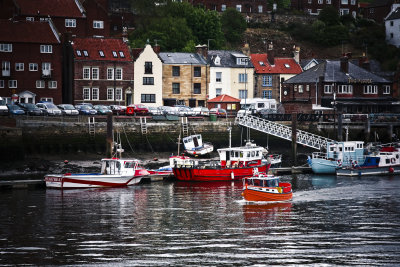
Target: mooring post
(340, 128)
(367, 130)
(294, 138)
(109, 139)
(390, 132)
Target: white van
(251, 106)
(3, 106)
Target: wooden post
(367, 130)
(294, 138)
(109, 138)
(340, 127)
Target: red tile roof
(27, 32)
(282, 65)
(224, 98)
(54, 8)
(107, 45)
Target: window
(148, 98)
(148, 81)
(121, 54)
(118, 94)
(5, 47)
(30, 19)
(345, 89)
(101, 53)
(12, 84)
(231, 107)
(223, 8)
(308, 88)
(386, 89)
(95, 93)
(1, 83)
(110, 74)
(78, 53)
(33, 66)
(301, 88)
(53, 84)
(40, 84)
(243, 77)
(353, 2)
(391, 23)
(86, 93)
(5, 68)
(242, 61)
(118, 73)
(328, 89)
(114, 54)
(197, 72)
(266, 80)
(197, 88)
(46, 49)
(70, 23)
(176, 71)
(328, 2)
(85, 53)
(370, 89)
(218, 77)
(110, 93)
(218, 91)
(344, 11)
(98, 24)
(260, 9)
(148, 67)
(310, 1)
(267, 94)
(95, 73)
(242, 94)
(320, 2)
(176, 88)
(86, 73)
(344, 2)
(19, 66)
(239, 8)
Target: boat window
(232, 153)
(331, 149)
(387, 161)
(257, 153)
(241, 154)
(253, 153)
(248, 154)
(340, 149)
(236, 154)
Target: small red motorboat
(265, 187)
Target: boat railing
(319, 155)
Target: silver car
(49, 108)
(68, 109)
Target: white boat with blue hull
(386, 161)
(195, 146)
(338, 155)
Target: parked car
(3, 107)
(137, 109)
(155, 111)
(102, 109)
(263, 113)
(201, 111)
(49, 108)
(31, 109)
(168, 110)
(15, 110)
(220, 112)
(87, 104)
(85, 110)
(68, 110)
(185, 111)
(118, 109)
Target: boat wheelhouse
(195, 146)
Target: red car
(220, 112)
(137, 109)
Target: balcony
(46, 74)
(6, 73)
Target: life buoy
(130, 111)
(339, 163)
(391, 170)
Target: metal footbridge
(283, 131)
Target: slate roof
(224, 99)
(107, 45)
(53, 8)
(228, 60)
(331, 72)
(27, 32)
(394, 15)
(182, 58)
(305, 62)
(282, 65)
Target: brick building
(313, 7)
(247, 7)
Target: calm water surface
(332, 221)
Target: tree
(329, 16)
(233, 25)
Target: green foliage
(329, 16)
(233, 25)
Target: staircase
(283, 131)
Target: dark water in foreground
(332, 221)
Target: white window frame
(260, 9)
(118, 94)
(121, 54)
(95, 93)
(242, 77)
(46, 49)
(110, 93)
(95, 73)
(19, 66)
(118, 74)
(320, 2)
(301, 88)
(328, 2)
(1, 83)
(40, 84)
(344, 2)
(33, 67)
(6, 48)
(86, 73)
(243, 94)
(98, 24)
(223, 8)
(86, 93)
(353, 2)
(70, 23)
(386, 89)
(218, 77)
(218, 91)
(328, 89)
(52, 84)
(12, 84)
(345, 89)
(114, 53)
(239, 8)
(110, 73)
(370, 89)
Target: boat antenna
(179, 142)
(230, 136)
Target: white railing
(283, 131)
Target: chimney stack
(205, 51)
(270, 54)
(344, 64)
(296, 54)
(246, 49)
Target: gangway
(283, 131)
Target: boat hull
(368, 171)
(254, 194)
(62, 181)
(216, 173)
(323, 166)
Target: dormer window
(217, 60)
(242, 60)
(114, 54)
(287, 66)
(85, 53)
(101, 53)
(78, 53)
(121, 54)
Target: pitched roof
(331, 72)
(53, 8)
(394, 15)
(28, 32)
(282, 65)
(94, 46)
(182, 58)
(224, 98)
(227, 59)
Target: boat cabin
(248, 155)
(118, 166)
(264, 181)
(346, 151)
(193, 142)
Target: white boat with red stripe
(115, 172)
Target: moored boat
(385, 161)
(115, 172)
(195, 146)
(234, 163)
(265, 187)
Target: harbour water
(330, 221)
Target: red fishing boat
(235, 163)
(266, 187)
